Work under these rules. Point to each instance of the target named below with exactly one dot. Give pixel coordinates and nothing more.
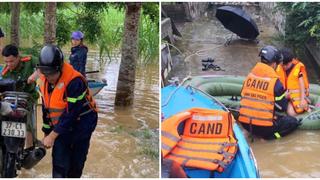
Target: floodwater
(296, 155)
(126, 140)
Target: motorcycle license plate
(13, 129)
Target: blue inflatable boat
(175, 99)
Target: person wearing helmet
(21, 68)
(262, 94)
(78, 56)
(293, 76)
(69, 113)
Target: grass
(148, 142)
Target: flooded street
(296, 155)
(125, 142)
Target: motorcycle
(13, 155)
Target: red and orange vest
(257, 96)
(56, 102)
(291, 83)
(207, 141)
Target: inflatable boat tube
(227, 90)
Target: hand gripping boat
(189, 104)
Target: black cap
(270, 54)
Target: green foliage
(151, 9)
(31, 25)
(302, 21)
(148, 40)
(34, 50)
(102, 24)
(111, 36)
(89, 20)
(148, 142)
(5, 7)
(64, 27)
(32, 7)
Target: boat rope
(169, 44)
(312, 116)
(201, 52)
(173, 92)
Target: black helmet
(51, 59)
(287, 55)
(270, 54)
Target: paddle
(90, 72)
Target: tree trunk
(15, 22)
(50, 22)
(129, 55)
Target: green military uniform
(21, 74)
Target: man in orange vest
(293, 76)
(69, 113)
(262, 94)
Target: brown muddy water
(125, 142)
(296, 155)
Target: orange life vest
(207, 141)
(257, 96)
(56, 102)
(291, 83)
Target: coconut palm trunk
(129, 55)
(15, 22)
(50, 22)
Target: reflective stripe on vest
(207, 141)
(56, 102)
(46, 126)
(292, 83)
(257, 96)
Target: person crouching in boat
(69, 113)
(293, 75)
(261, 95)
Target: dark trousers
(283, 126)
(68, 157)
(70, 150)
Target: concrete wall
(194, 10)
(166, 30)
(276, 17)
(166, 63)
(186, 11)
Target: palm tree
(50, 22)
(15, 22)
(129, 55)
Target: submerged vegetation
(102, 24)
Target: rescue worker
(262, 94)
(22, 69)
(78, 56)
(293, 76)
(69, 113)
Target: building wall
(276, 17)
